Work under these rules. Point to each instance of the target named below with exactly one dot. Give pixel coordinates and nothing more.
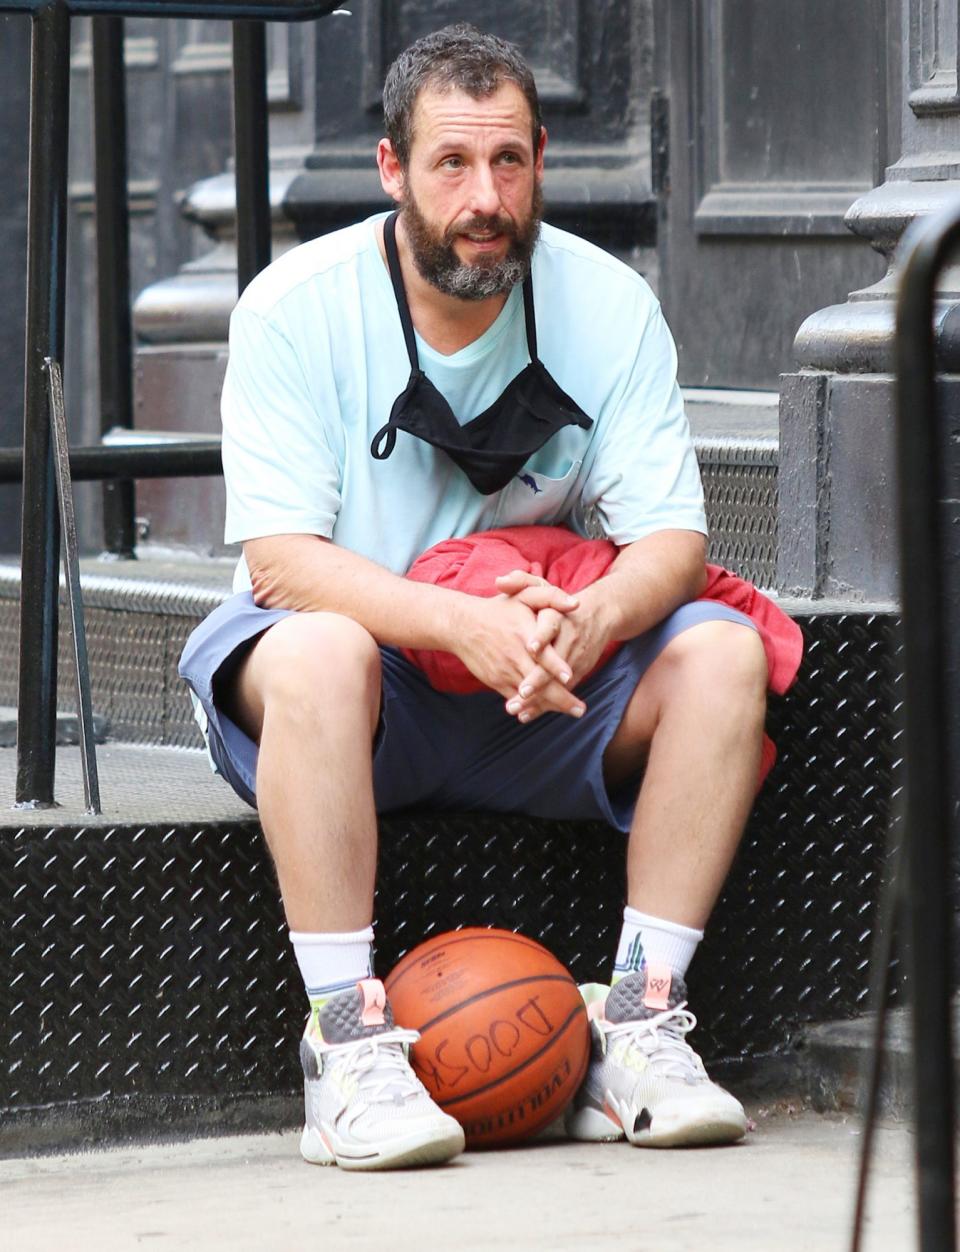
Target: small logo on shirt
(531, 482)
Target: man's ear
(538, 157)
(391, 171)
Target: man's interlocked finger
(536, 592)
(550, 667)
(548, 696)
(545, 632)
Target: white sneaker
(365, 1107)
(644, 1081)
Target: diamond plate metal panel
(791, 938)
(9, 645)
(133, 657)
(151, 962)
(740, 496)
(179, 727)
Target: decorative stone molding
(837, 412)
(194, 305)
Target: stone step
(149, 986)
(68, 728)
(833, 1060)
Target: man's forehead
(438, 110)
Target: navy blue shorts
(434, 750)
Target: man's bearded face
(436, 259)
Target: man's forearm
(309, 574)
(649, 579)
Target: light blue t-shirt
(317, 358)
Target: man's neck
(446, 323)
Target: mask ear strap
(529, 317)
(383, 442)
(396, 277)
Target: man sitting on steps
(450, 368)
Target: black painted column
(837, 518)
(46, 275)
(14, 143)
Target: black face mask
(493, 447)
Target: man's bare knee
(728, 658)
(719, 667)
(719, 659)
(306, 666)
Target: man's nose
(484, 194)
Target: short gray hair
(460, 58)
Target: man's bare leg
(309, 694)
(696, 719)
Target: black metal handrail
(112, 220)
(268, 10)
(193, 458)
(923, 492)
(46, 279)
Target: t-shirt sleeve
(280, 457)
(645, 476)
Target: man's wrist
(450, 622)
(603, 609)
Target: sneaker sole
(701, 1134)
(424, 1148)
(722, 1126)
(680, 1127)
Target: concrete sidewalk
(788, 1188)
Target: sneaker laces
(661, 1039)
(380, 1064)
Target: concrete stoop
(834, 1058)
(825, 1067)
(150, 989)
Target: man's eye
(509, 158)
(452, 163)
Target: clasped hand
(533, 644)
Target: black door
(769, 121)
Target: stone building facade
(743, 157)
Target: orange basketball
(504, 1041)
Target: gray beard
(479, 281)
(439, 265)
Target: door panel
(775, 126)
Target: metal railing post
(922, 494)
(251, 143)
(71, 570)
(46, 274)
(113, 268)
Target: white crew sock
(646, 940)
(332, 962)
